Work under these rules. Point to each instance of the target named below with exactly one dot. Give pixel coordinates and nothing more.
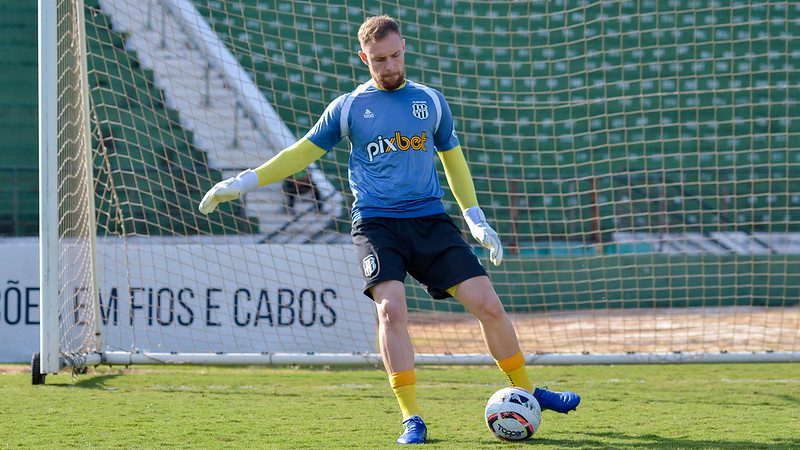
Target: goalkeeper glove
(484, 234)
(228, 190)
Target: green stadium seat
(658, 110)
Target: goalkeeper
(395, 126)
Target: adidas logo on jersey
(368, 114)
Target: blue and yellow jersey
(393, 139)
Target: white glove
(484, 234)
(228, 190)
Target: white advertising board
(198, 298)
(19, 308)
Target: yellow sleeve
(458, 177)
(289, 161)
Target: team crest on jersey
(419, 109)
(370, 265)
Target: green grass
(641, 406)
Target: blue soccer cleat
(562, 402)
(416, 431)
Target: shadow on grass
(94, 381)
(652, 441)
(788, 398)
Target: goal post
(48, 204)
(67, 228)
(639, 161)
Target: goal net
(639, 159)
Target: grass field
(640, 406)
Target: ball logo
(419, 110)
(509, 433)
(370, 265)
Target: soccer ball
(512, 414)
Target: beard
(390, 82)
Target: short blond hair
(376, 28)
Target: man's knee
(490, 309)
(391, 303)
(478, 295)
(392, 313)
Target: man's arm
(287, 162)
(460, 180)
(459, 177)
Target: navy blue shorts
(429, 248)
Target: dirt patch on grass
(712, 330)
(6, 369)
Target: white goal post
(641, 163)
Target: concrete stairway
(212, 111)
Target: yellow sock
(514, 368)
(404, 385)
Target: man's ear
(363, 56)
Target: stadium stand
(143, 139)
(166, 176)
(592, 130)
(18, 120)
(639, 131)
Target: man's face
(386, 61)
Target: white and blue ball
(513, 414)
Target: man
(399, 223)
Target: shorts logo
(370, 265)
(419, 109)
